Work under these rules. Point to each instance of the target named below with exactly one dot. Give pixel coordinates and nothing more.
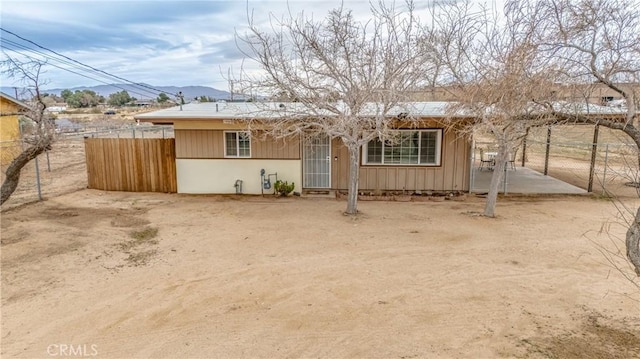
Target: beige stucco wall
(219, 175)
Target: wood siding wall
(267, 148)
(452, 175)
(210, 144)
(199, 144)
(133, 165)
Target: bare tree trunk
(354, 171)
(633, 243)
(631, 131)
(12, 176)
(494, 186)
(637, 141)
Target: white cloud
(156, 42)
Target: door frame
(329, 172)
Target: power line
(13, 46)
(83, 64)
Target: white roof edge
(239, 110)
(266, 110)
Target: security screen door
(316, 162)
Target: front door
(316, 162)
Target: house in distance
(10, 112)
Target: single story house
(10, 110)
(214, 150)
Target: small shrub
(283, 188)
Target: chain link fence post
(594, 149)
(38, 179)
(547, 150)
(504, 181)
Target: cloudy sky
(156, 42)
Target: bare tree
(598, 41)
(492, 66)
(43, 134)
(508, 71)
(633, 242)
(344, 76)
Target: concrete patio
(523, 180)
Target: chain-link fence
(564, 152)
(63, 168)
(132, 131)
(598, 160)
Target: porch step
(319, 193)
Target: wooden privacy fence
(134, 165)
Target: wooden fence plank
(133, 165)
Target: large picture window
(408, 147)
(237, 144)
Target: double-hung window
(237, 144)
(405, 147)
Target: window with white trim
(237, 144)
(407, 147)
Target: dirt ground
(124, 275)
(61, 170)
(121, 275)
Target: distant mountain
(142, 91)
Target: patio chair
(485, 160)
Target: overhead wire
(83, 64)
(84, 67)
(15, 46)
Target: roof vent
(282, 105)
(220, 105)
